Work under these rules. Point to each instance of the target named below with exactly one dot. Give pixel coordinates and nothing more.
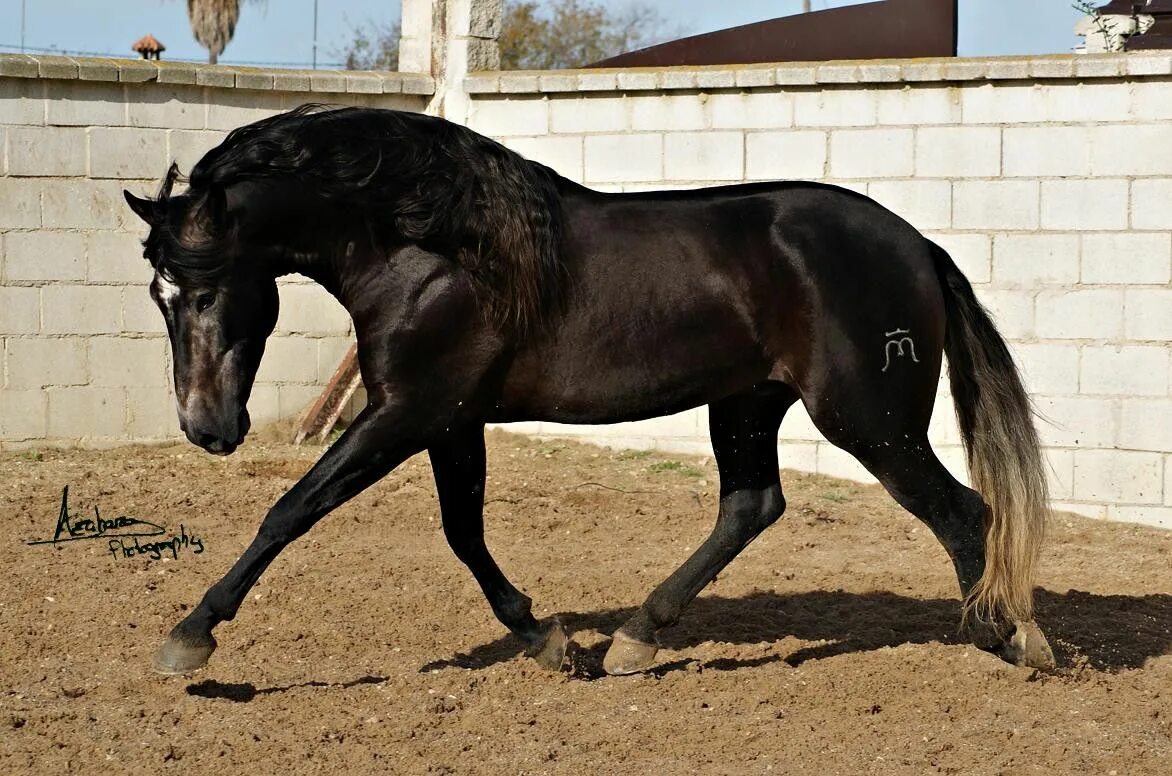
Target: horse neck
(309, 252)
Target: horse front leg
(373, 445)
(458, 463)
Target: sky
(280, 32)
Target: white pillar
(415, 36)
(449, 39)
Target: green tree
(535, 35)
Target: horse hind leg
(744, 440)
(919, 482)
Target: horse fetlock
(1027, 647)
(550, 649)
(986, 635)
(628, 655)
(514, 610)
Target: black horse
(487, 288)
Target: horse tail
(1001, 443)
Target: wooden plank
(320, 417)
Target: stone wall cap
(129, 70)
(837, 72)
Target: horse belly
(639, 372)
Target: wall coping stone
(224, 76)
(885, 71)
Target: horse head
(219, 308)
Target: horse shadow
(243, 692)
(1104, 632)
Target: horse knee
(284, 523)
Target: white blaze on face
(168, 291)
(168, 294)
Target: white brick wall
(1054, 197)
(871, 153)
(995, 205)
(973, 253)
(1073, 205)
(1033, 260)
(1149, 314)
(623, 158)
(1047, 151)
(44, 256)
(927, 205)
(1089, 314)
(958, 152)
(48, 151)
(677, 113)
(1149, 204)
(785, 155)
(1049, 368)
(1126, 258)
(561, 153)
(606, 114)
(127, 153)
(83, 350)
(713, 156)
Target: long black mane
(419, 178)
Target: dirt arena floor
(828, 647)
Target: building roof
(148, 43)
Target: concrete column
(415, 36)
(449, 39)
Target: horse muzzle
(218, 438)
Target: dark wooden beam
(321, 416)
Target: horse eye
(204, 301)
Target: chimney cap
(148, 43)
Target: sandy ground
(828, 647)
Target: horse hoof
(628, 656)
(1027, 647)
(179, 656)
(550, 653)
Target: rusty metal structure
(889, 29)
(148, 47)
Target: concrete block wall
(1048, 179)
(84, 357)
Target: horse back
(677, 298)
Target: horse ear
(214, 210)
(169, 181)
(144, 208)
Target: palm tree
(212, 23)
